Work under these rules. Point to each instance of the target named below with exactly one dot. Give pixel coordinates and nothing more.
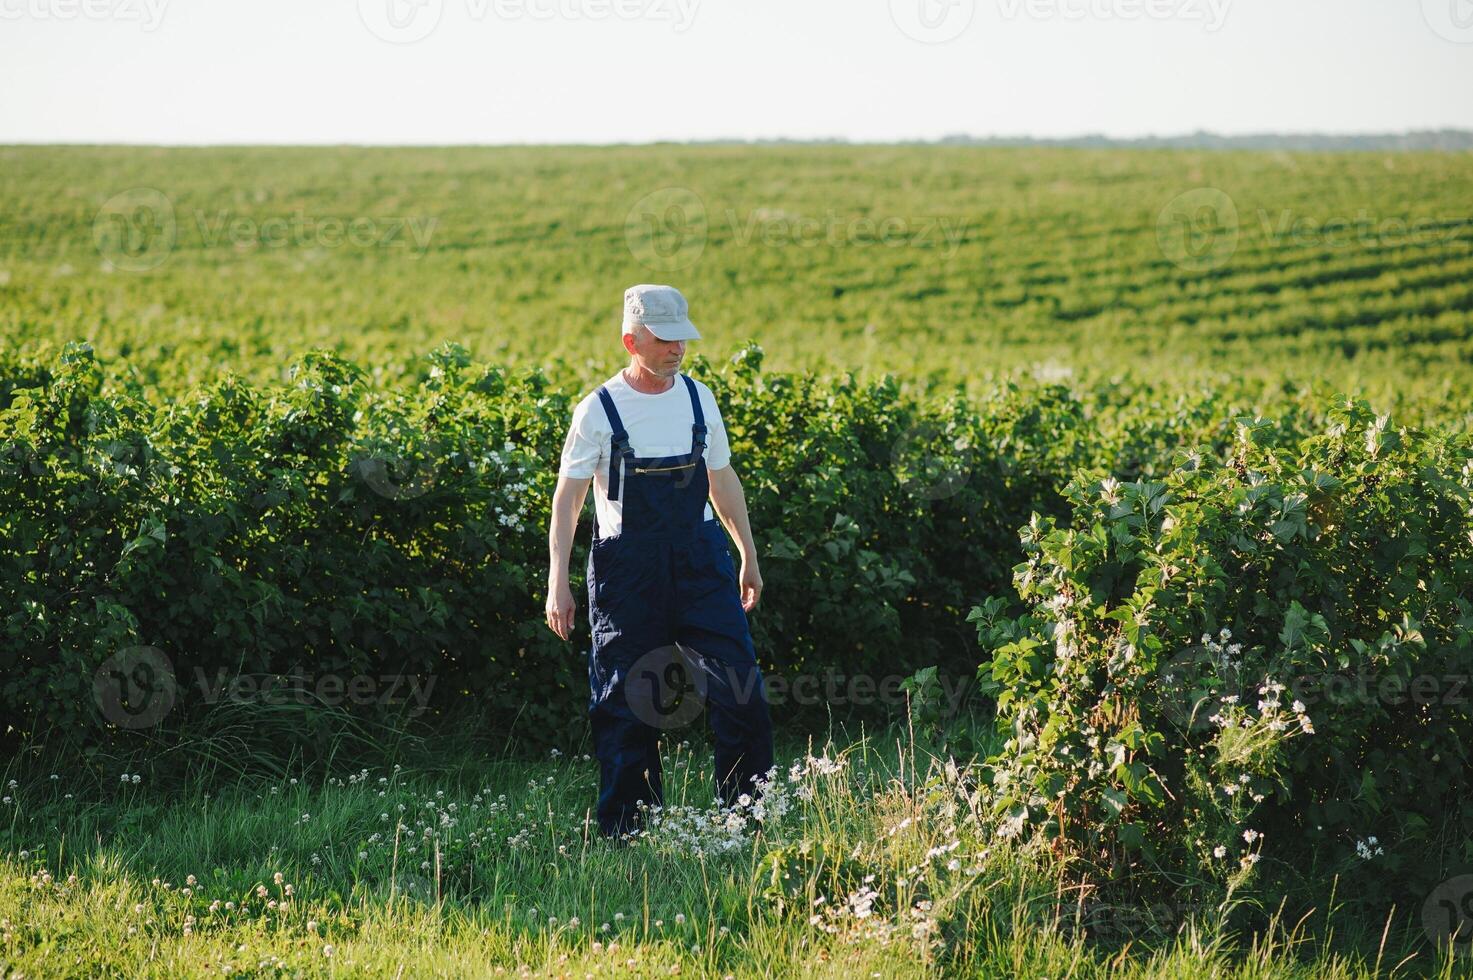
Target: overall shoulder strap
(698, 427)
(618, 444)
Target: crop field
(1115, 513)
(959, 263)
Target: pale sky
(601, 71)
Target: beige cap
(660, 308)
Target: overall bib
(664, 589)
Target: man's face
(658, 357)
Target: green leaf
(1131, 835)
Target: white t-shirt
(658, 425)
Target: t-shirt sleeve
(718, 447)
(583, 446)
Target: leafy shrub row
(1260, 656)
(327, 528)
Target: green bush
(330, 528)
(317, 530)
(1260, 656)
(884, 516)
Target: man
(663, 597)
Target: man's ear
(629, 342)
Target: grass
(496, 868)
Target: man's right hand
(567, 501)
(560, 609)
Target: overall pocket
(718, 552)
(624, 573)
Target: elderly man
(663, 597)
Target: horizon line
(958, 138)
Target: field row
(1349, 268)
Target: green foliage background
(240, 432)
(1353, 269)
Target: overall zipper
(662, 469)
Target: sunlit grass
(877, 867)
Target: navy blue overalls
(665, 587)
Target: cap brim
(682, 330)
